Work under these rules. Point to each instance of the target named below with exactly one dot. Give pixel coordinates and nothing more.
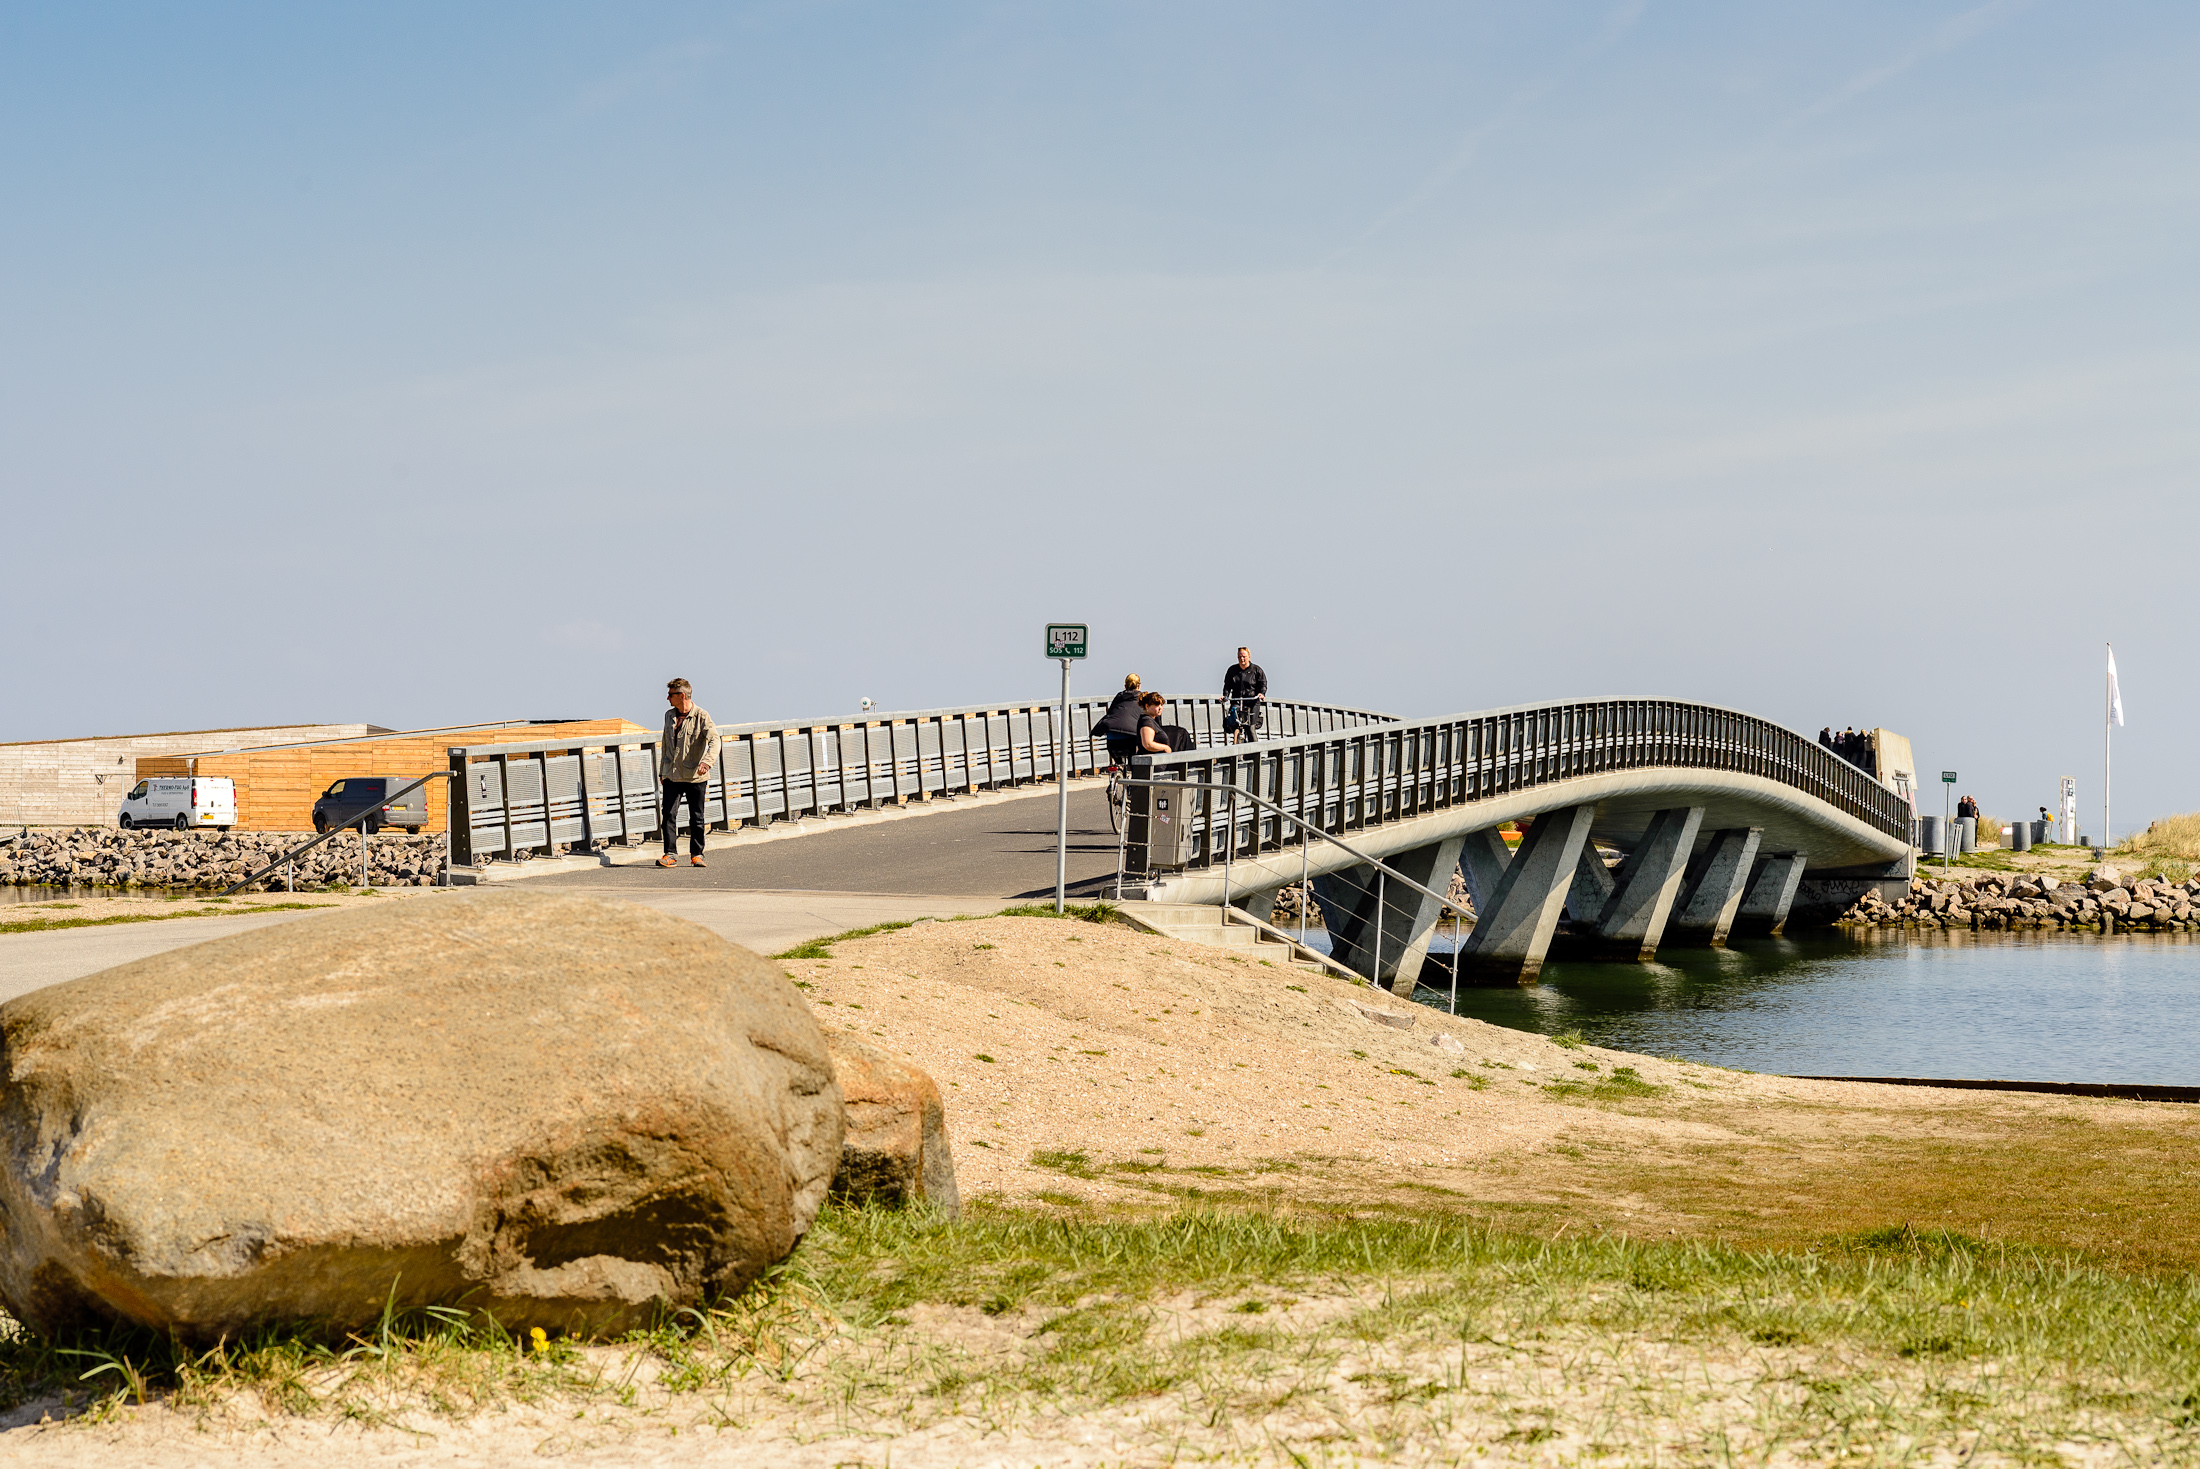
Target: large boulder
(895, 1149)
(563, 1112)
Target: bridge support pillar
(1483, 857)
(1260, 902)
(1408, 919)
(1513, 932)
(1772, 886)
(1591, 887)
(1632, 923)
(1717, 880)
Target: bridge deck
(1005, 849)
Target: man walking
(684, 754)
(1245, 686)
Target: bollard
(1931, 839)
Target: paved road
(30, 961)
(765, 922)
(1005, 849)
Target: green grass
(1083, 912)
(823, 948)
(40, 925)
(1419, 1330)
(1624, 1082)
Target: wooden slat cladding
(80, 782)
(276, 787)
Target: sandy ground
(1089, 1064)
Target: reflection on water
(2029, 1006)
(11, 894)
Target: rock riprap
(1990, 900)
(91, 857)
(564, 1112)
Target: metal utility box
(1159, 825)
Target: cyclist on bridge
(1245, 685)
(1120, 723)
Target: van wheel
(374, 828)
(319, 825)
(183, 822)
(123, 821)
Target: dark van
(346, 798)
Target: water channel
(2018, 1006)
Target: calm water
(2022, 1006)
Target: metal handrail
(296, 852)
(1381, 774)
(1383, 870)
(794, 769)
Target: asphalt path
(1005, 849)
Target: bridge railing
(1353, 780)
(518, 799)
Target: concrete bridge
(1726, 822)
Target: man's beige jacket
(687, 743)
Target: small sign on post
(1948, 842)
(1065, 640)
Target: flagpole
(2108, 725)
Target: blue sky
(422, 364)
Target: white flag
(2115, 696)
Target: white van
(181, 802)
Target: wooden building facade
(278, 784)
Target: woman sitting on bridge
(1154, 737)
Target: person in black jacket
(1120, 723)
(1245, 685)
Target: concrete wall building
(80, 782)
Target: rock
(2047, 884)
(895, 1148)
(561, 1112)
(2104, 878)
(1448, 1043)
(1390, 1018)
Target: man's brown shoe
(697, 862)
(668, 860)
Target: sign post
(1065, 640)
(1947, 826)
(2069, 810)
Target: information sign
(1066, 640)
(1948, 777)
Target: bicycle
(1241, 721)
(1119, 771)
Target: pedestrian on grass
(684, 757)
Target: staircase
(1234, 929)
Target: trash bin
(1931, 837)
(2020, 836)
(1966, 834)
(2043, 831)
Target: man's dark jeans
(694, 790)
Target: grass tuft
(1082, 912)
(822, 948)
(40, 925)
